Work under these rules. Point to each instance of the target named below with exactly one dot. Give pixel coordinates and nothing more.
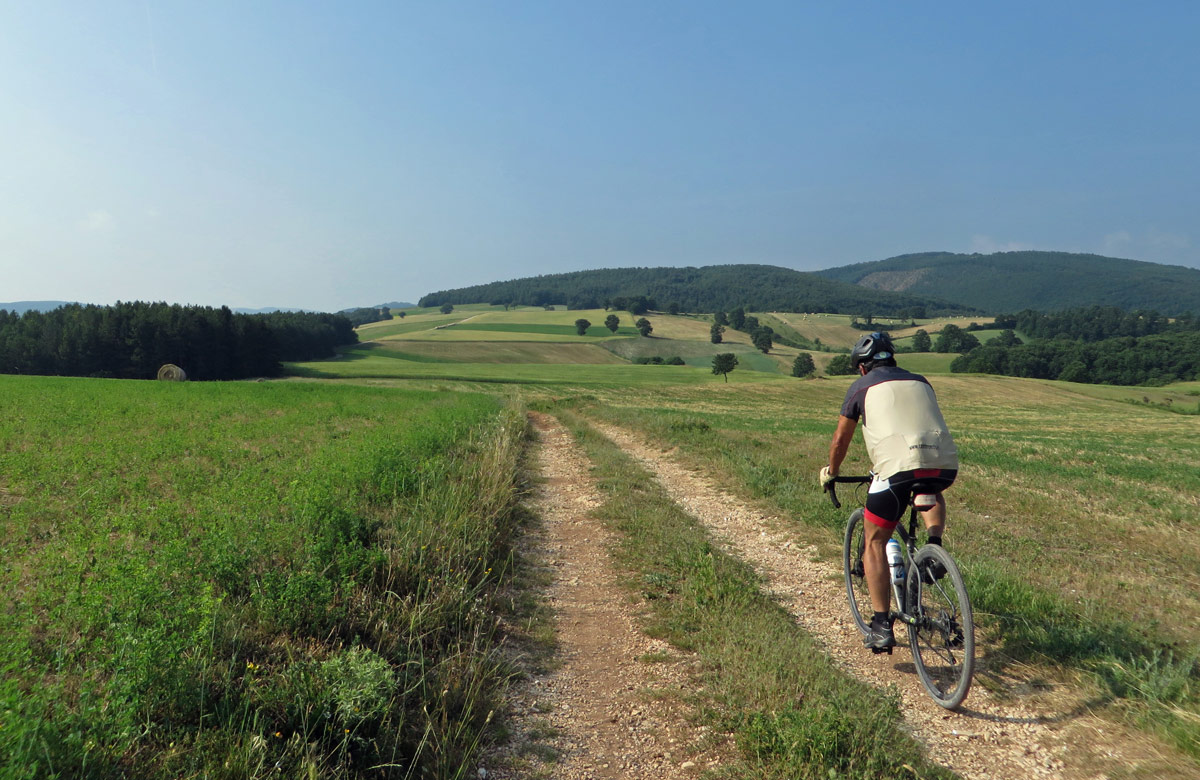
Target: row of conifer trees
(132, 340)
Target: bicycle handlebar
(832, 491)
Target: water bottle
(896, 563)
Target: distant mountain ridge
(20, 307)
(705, 289)
(1044, 281)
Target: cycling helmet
(873, 346)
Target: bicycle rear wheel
(852, 564)
(942, 635)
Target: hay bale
(172, 373)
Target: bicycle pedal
(878, 650)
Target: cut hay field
(834, 330)
(361, 364)
(489, 352)
(534, 325)
(231, 580)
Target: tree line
(132, 340)
(1096, 323)
(1150, 360)
(707, 289)
(368, 314)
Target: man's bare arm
(841, 443)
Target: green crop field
(226, 579)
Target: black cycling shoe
(879, 639)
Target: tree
(803, 365)
(720, 318)
(714, 333)
(840, 366)
(762, 340)
(922, 342)
(612, 322)
(644, 327)
(737, 318)
(447, 308)
(581, 326)
(403, 314)
(1007, 338)
(955, 339)
(724, 363)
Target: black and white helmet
(873, 346)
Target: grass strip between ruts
(793, 714)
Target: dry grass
(501, 352)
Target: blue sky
(333, 155)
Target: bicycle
(937, 611)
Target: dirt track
(605, 712)
(598, 701)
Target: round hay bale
(172, 373)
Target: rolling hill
(1045, 281)
(706, 289)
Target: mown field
(235, 580)
(1074, 517)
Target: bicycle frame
(908, 546)
(936, 611)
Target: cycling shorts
(887, 499)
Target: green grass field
(199, 573)
(232, 579)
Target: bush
(840, 366)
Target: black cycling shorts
(887, 499)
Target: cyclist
(909, 445)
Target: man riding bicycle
(910, 448)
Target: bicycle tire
(942, 636)
(856, 583)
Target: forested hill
(1045, 281)
(707, 289)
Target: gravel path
(1026, 732)
(605, 712)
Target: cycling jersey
(902, 425)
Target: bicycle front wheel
(856, 581)
(942, 634)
